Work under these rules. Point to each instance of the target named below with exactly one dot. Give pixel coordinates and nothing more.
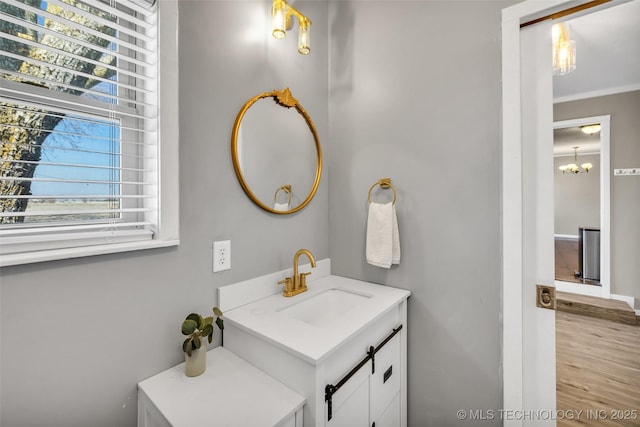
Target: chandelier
(573, 167)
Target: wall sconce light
(564, 50)
(281, 14)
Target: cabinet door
(350, 404)
(294, 420)
(385, 382)
(390, 417)
(148, 414)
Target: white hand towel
(383, 240)
(395, 239)
(281, 207)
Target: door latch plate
(546, 297)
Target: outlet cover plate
(626, 172)
(221, 255)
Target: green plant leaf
(207, 330)
(186, 344)
(197, 343)
(188, 327)
(208, 321)
(220, 323)
(189, 348)
(217, 311)
(210, 337)
(196, 318)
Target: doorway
(528, 348)
(590, 369)
(582, 206)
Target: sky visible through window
(80, 142)
(77, 142)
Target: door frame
(523, 381)
(604, 290)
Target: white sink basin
(313, 324)
(324, 306)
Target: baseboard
(578, 288)
(592, 306)
(566, 236)
(629, 300)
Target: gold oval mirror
(276, 152)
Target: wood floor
(597, 371)
(567, 263)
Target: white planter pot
(196, 364)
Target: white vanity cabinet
(307, 355)
(230, 393)
(379, 392)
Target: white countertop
(313, 343)
(231, 392)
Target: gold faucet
(298, 283)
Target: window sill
(58, 254)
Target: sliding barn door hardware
(330, 389)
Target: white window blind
(78, 123)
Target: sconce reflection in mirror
(274, 143)
(281, 14)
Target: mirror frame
(604, 290)
(285, 99)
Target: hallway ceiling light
(564, 50)
(591, 129)
(281, 15)
(573, 167)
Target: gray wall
(624, 109)
(78, 335)
(576, 196)
(415, 96)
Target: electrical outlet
(627, 172)
(221, 255)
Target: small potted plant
(195, 351)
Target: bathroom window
(79, 170)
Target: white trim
(592, 291)
(596, 93)
(578, 288)
(169, 135)
(533, 9)
(58, 254)
(566, 236)
(538, 220)
(26, 244)
(582, 153)
(631, 301)
(605, 194)
(512, 350)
